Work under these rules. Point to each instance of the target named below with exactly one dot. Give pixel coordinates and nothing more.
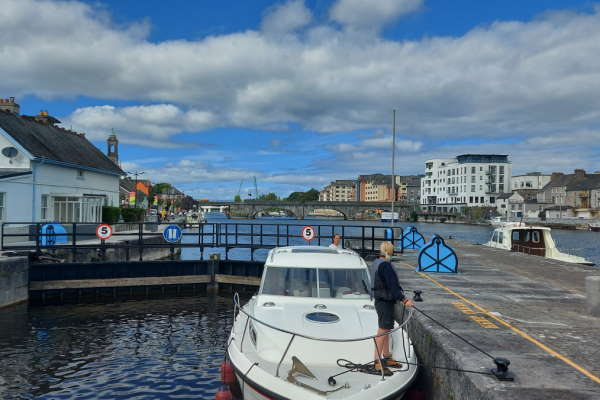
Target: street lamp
(136, 173)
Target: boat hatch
(528, 241)
(322, 317)
(322, 250)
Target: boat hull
(253, 391)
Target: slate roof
(589, 182)
(57, 144)
(504, 195)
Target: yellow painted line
(519, 332)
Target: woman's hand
(407, 302)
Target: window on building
(2, 205)
(78, 209)
(502, 169)
(44, 207)
(80, 174)
(476, 199)
(470, 199)
(473, 178)
(472, 188)
(473, 170)
(492, 200)
(501, 188)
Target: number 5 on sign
(308, 233)
(104, 231)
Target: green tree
(268, 197)
(310, 195)
(237, 198)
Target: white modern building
(469, 180)
(51, 174)
(531, 180)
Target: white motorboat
(535, 240)
(194, 218)
(313, 317)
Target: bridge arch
(312, 209)
(255, 212)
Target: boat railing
(237, 307)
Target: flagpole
(393, 163)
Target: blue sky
(206, 94)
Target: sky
(209, 94)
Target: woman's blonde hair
(387, 250)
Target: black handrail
(203, 235)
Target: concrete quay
(14, 280)
(528, 309)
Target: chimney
(580, 173)
(113, 148)
(10, 105)
(44, 118)
(555, 176)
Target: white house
(48, 173)
(530, 181)
(469, 180)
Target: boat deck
(526, 308)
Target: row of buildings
(48, 173)
(375, 187)
(479, 180)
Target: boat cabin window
(535, 236)
(313, 282)
(500, 237)
(516, 235)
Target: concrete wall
(14, 280)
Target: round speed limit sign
(104, 231)
(308, 233)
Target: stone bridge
(349, 209)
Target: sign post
(172, 234)
(104, 231)
(308, 233)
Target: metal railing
(237, 307)
(77, 236)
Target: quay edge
(528, 309)
(14, 280)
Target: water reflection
(168, 348)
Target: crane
(240, 188)
(255, 188)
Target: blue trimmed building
(48, 173)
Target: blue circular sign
(172, 233)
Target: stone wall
(14, 280)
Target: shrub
(132, 214)
(110, 215)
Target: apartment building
(529, 181)
(339, 190)
(469, 180)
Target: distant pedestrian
(386, 291)
(337, 240)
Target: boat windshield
(303, 282)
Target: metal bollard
(592, 290)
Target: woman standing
(386, 291)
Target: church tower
(113, 148)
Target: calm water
(582, 243)
(154, 349)
(150, 349)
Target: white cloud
(286, 17)
(371, 14)
(151, 125)
(536, 79)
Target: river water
(153, 349)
